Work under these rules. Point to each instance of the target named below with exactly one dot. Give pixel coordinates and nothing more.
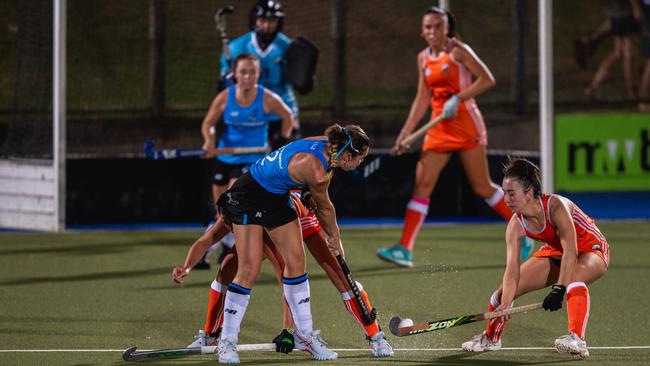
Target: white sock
(296, 292)
(211, 250)
(228, 240)
(234, 309)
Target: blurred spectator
(644, 90)
(623, 18)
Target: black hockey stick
(165, 154)
(425, 327)
(131, 354)
(367, 315)
(220, 20)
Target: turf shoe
(573, 345)
(314, 345)
(203, 339)
(527, 247)
(227, 350)
(380, 346)
(481, 343)
(396, 255)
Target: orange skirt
(466, 131)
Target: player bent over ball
(575, 255)
(315, 241)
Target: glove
(553, 301)
(284, 341)
(451, 107)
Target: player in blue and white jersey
(246, 108)
(259, 201)
(269, 44)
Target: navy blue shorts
(248, 203)
(222, 172)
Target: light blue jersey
(272, 172)
(244, 127)
(271, 62)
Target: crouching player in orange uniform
(317, 245)
(575, 254)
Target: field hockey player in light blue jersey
(259, 200)
(246, 108)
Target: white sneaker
(573, 345)
(203, 339)
(227, 350)
(315, 345)
(380, 346)
(481, 343)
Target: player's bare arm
(207, 126)
(514, 233)
(484, 78)
(196, 251)
(273, 104)
(419, 107)
(561, 219)
(307, 169)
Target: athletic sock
(237, 298)
(296, 293)
(495, 326)
(228, 240)
(215, 307)
(353, 308)
(578, 303)
(416, 212)
(498, 204)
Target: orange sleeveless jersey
(308, 221)
(446, 77)
(588, 236)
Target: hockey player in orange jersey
(575, 255)
(451, 75)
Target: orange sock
(495, 327)
(498, 204)
(214, 317)
(416, 212)
(577, 299)
(354, 309)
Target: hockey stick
(422, 130)
(367, 315)
(425, 327)
(151, 153)
(220, 20)
(131, 354)
(373, 165)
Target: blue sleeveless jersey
(272, 64)
(244, 127)
(272, 172)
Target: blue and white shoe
(527, 248)
(314, 345)
(396, 255)
(227, 350)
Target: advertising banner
(603, 152)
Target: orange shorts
(600, 249)
(466, 131)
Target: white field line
(336, 349)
